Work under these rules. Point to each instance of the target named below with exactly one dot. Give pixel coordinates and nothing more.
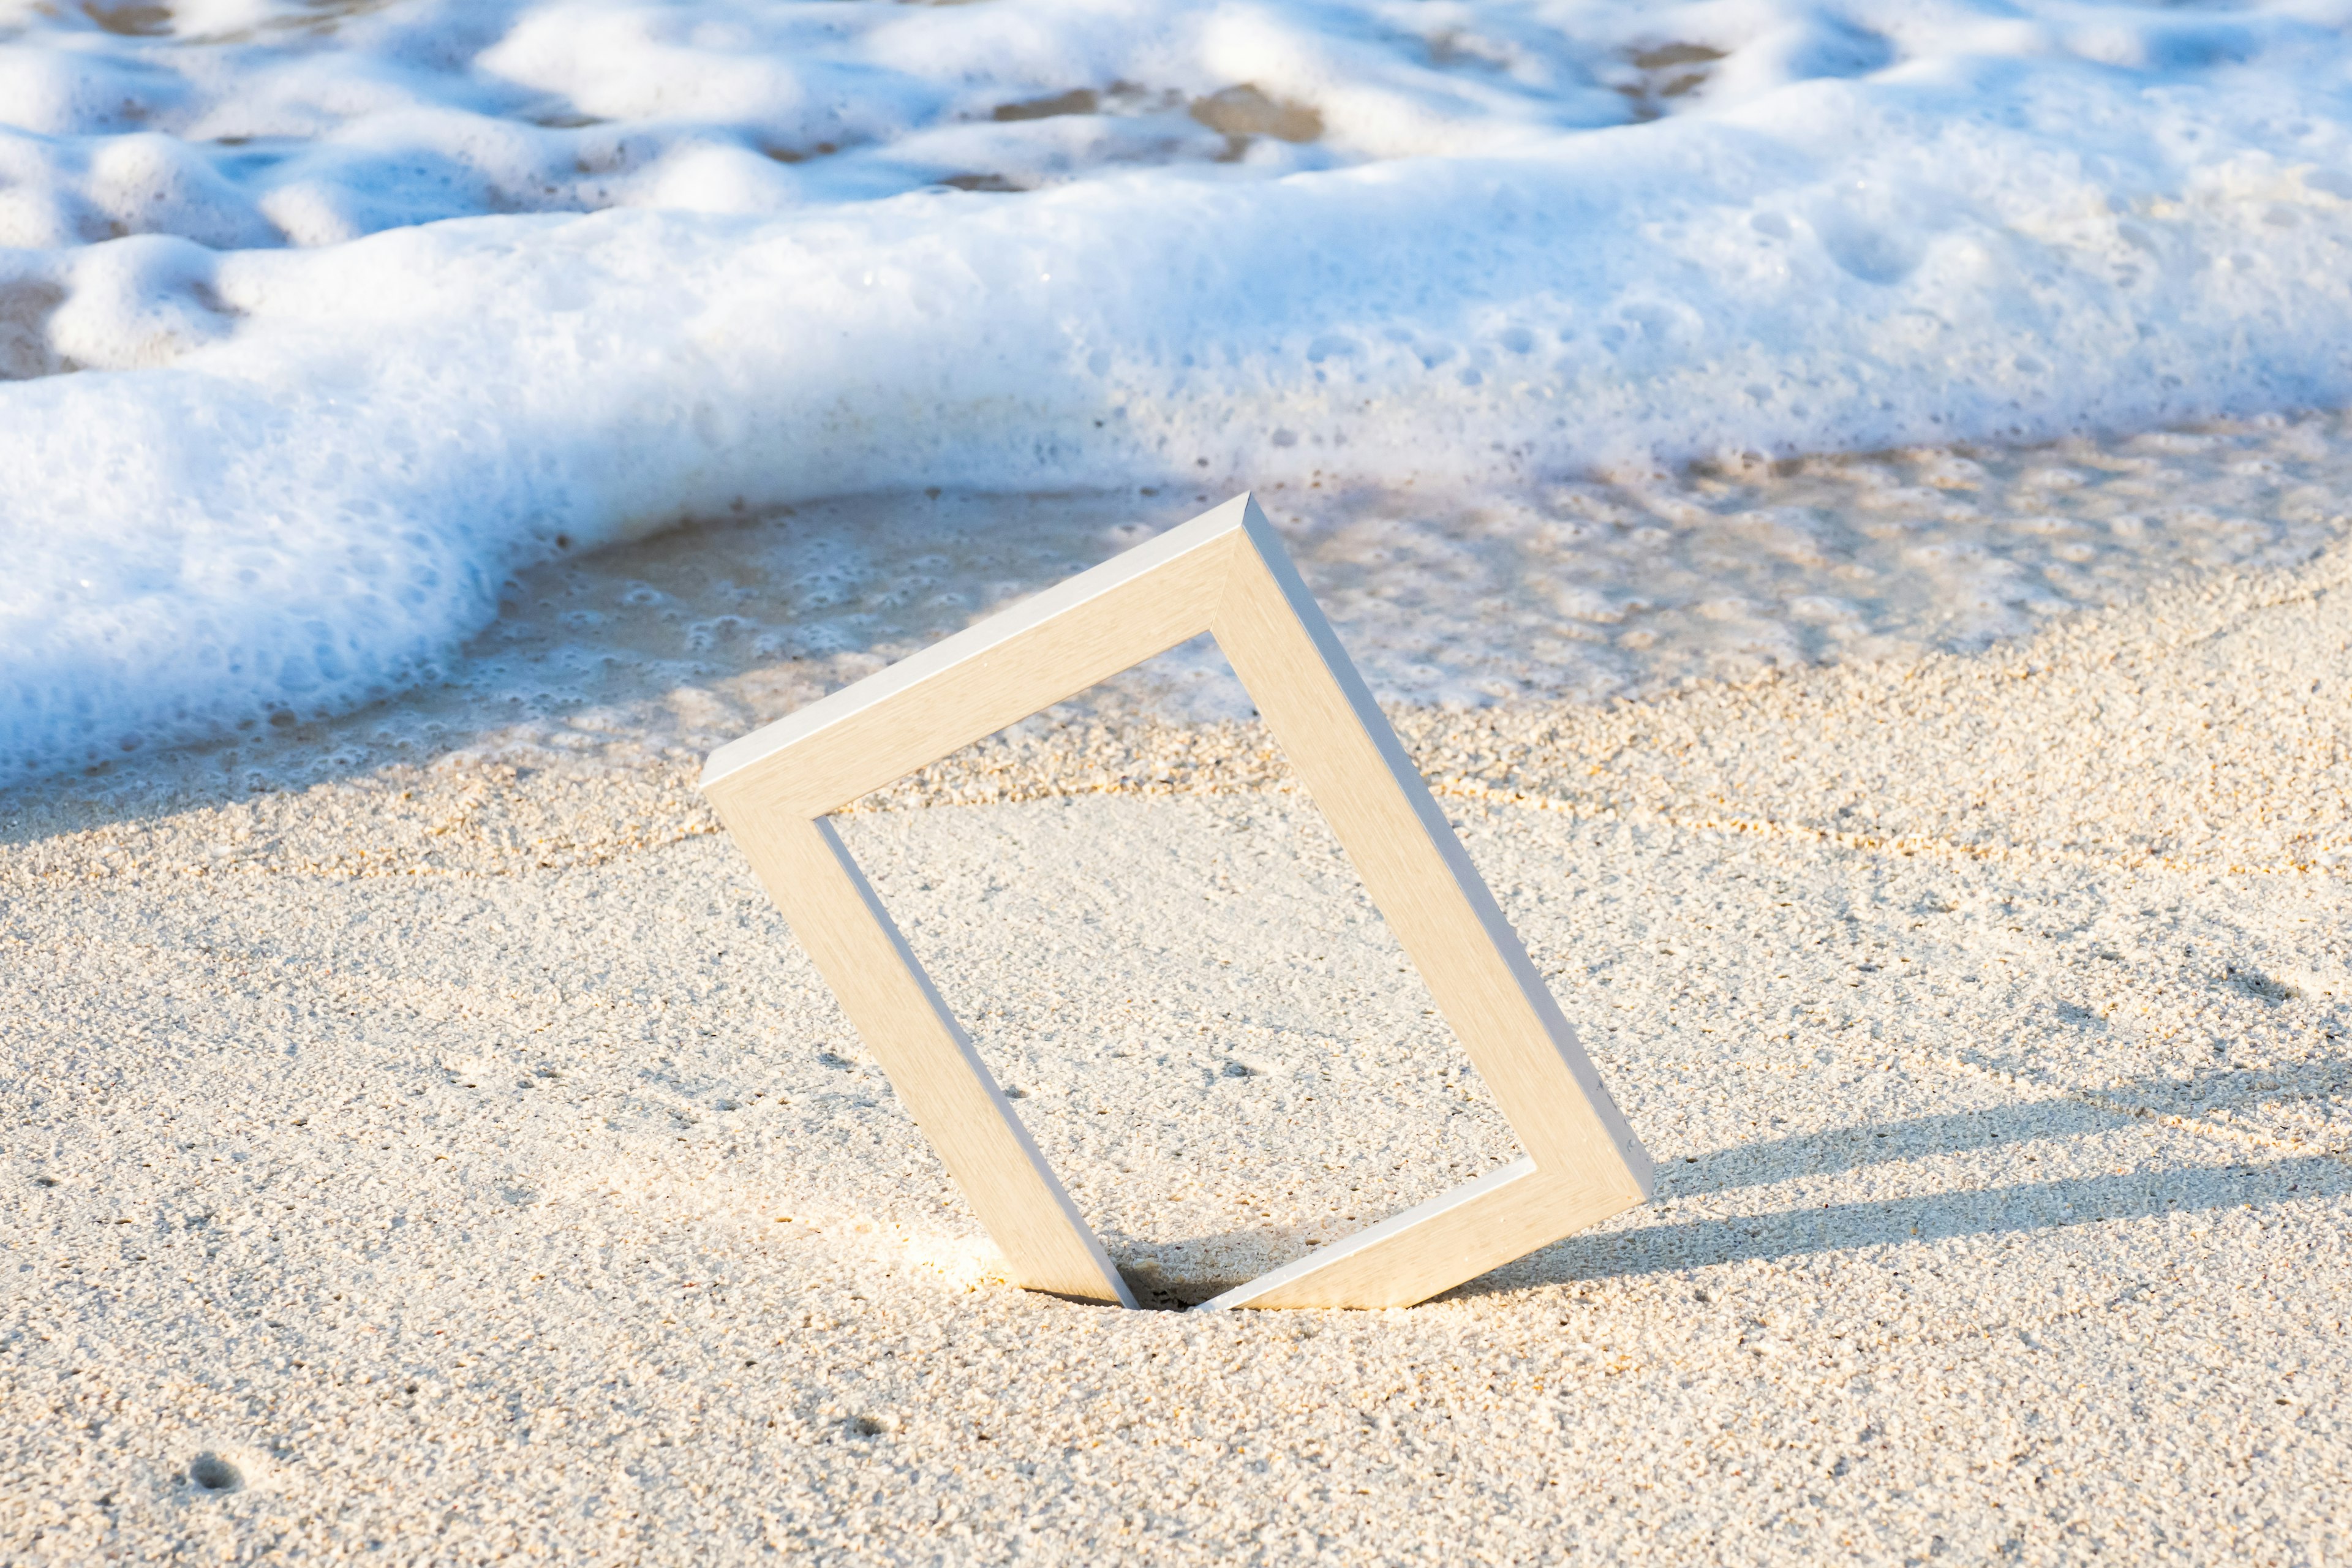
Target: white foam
(709, 259)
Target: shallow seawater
(315, 322)
(1609, 587)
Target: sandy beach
(1844, 504)
(458, 1163)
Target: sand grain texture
(443, 1164)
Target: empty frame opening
(1200, 1016)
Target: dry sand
(453, 1164)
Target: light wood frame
(1225, 573)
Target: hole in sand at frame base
(209, 1472)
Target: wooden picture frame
(1225, 573)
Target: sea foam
(374, 308)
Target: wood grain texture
(1070, 636)
(1223, 571)
(1343, 749)
(1454, 1237)
(950, 1093)
(1586, 1162)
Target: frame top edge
(771, 738)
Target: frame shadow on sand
(1666, 1246)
